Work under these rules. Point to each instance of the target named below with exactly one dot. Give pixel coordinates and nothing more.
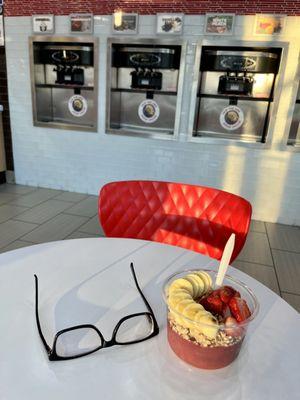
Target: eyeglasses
(81, 340)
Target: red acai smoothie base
(200, 356)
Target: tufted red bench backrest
(194, 217)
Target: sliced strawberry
(213, 303)
(232, 327)
(226, 293)
(239, 309)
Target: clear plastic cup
(207, 346)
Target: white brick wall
(83, 161)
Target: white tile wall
(83, 162)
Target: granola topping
(198, 338)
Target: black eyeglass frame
(52, 353)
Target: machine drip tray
(232, 136)
(63, 121)
(126, 128)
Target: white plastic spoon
(226, 256)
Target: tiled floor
(31, 215)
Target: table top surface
(89, 281)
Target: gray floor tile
(13, 230)
(57, 228)
(15, 245)
(92, 227)
(80, 235)
(287, 266)
(18, 189)
(86, 208)
(256, 249)
(257, 226)
(36, 197)
(284, 237)
(71, 197)
(292, 299)
(8, 211)
(8, 197)
(263, 273)
(43, 212)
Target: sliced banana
(186, 311)
(191, 310)
(189, 313)
(183, 304)
(181, 283)
(175, 299)
(201, 314)
(200, 284)
(191, 278)
(180, 292)
(209, 326)
(178, 310)
(206, 280)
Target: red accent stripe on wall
(102, 7)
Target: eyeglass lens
(134, 329)
(77, 342)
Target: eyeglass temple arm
(140, 291)
(47, 347)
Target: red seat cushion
(194, 217)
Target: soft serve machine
(235, 92)
(143, 86)
(64, 78)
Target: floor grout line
(294, 294)
(14, 241)
(279, 287)
(49, 221)
(286, 251)
(74, 203)
(44, 201)
(30, 207)
(77, 215)
(252, 262)
(78, 229)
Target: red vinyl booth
(197, 218)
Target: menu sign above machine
(43, 24)
(231, 118)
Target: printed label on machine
(77, 105)
(148, 111)
(231, 118)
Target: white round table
(89, 281)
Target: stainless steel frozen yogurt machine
(64, 77)
(235, 91)
(144, 86)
